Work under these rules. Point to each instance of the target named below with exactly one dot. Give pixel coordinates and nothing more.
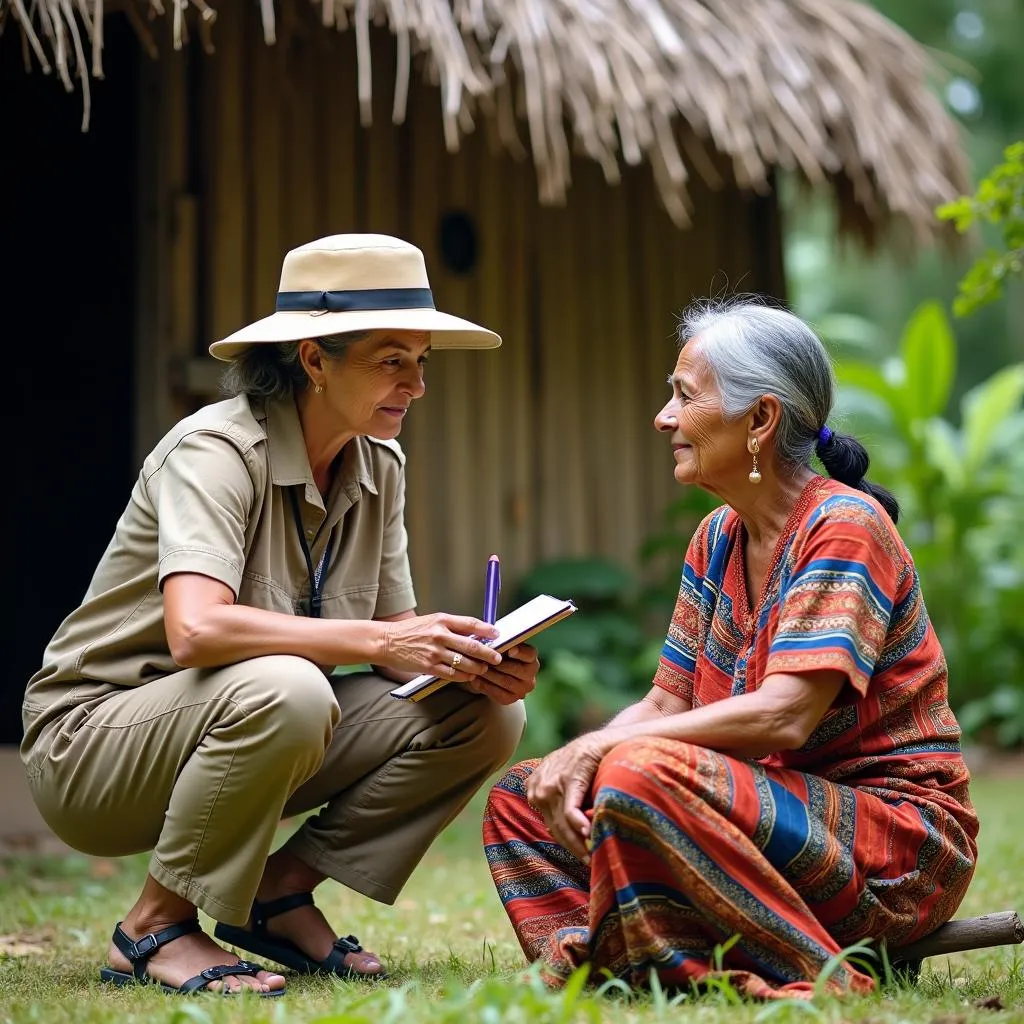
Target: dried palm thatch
(828, 88)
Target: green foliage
(604, 657)
(961, 485)
(997, 718)
(990, 60)
(591, 662)
(998, 201)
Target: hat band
(364, 298)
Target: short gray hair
(753, 350)
(273, 371)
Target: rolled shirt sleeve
(205, 500)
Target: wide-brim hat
(348, 283)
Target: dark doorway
(67, 296)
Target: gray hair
(754, 350)
(274, 371)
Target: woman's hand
(560, 784)
(439, 644)
(512, 680)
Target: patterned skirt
(691, 849)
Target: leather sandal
(259, 941)
(138, 952)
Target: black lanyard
(316, 580)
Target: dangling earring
(319, 389)
(755, 474)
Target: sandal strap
(348, 944)
(334, 962)
(138, 951)
(263, 912)
(203, 978)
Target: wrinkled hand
(439, 644)
(512, 680)
(560, 784)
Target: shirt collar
(289, 462)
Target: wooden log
(1000, 929)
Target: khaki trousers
(201, 765)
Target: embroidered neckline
(749, 616)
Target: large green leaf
(929, 357)
(868, 379)
(943, 446)
(986, 408)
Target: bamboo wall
(543, 448)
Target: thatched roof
(829, 88)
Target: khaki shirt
(213, 498)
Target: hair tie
(824, 436)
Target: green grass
(451, 954)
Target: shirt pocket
(348, 600)
(351, 601)
(258, 591)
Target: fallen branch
(1001, 929)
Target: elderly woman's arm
(655, 705)
(780, 715)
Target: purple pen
(492, 585)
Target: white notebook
(515, 628)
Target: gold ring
(456, 660)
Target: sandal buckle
(348, 944)
(216, 973)
(145, 946)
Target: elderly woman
(189, 703)
(793, 778)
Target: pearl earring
(755, 474)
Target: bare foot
(286, 875)
(186, 957)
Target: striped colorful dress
(865, 831)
